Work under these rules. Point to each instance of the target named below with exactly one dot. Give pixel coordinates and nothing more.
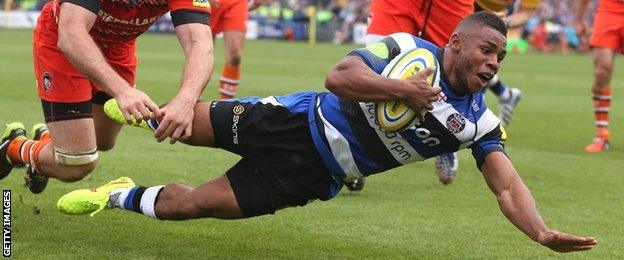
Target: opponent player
(607, 39)
(299, 147)
(230, 17)
(84, 53)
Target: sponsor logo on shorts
(455, 123)
(238, 110)
(201, 3)
(47, 81)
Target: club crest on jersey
(201, 3)
(47, 81)
(455, 123)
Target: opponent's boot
(36, 181)
(13, 131)
(111, 108)
(600, 142)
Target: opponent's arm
(79, 48)
(351, 79)
(517, 204)
(196, 40)
(579, 22)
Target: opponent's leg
(69, 156)
(230, 75)
(603, 70)
(13, 136)
(37, 182)
(106, 130)
(72, 154)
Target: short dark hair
(484, 18)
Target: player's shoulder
(406, 41)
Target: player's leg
(230, 74)
(605, 40)
(280, 168)
(71, 154)
(214, 198)
(233, 21)
(601, 95)
(106, 130)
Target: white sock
(148, 201)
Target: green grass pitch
(404, 213)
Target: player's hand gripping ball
(394, 116)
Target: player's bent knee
(71, 158)
(77, 172)
(235, 58)
(76, 165)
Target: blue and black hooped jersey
(352, 144)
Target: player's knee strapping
(72, 158)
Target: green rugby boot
(91, 201)
(111, 108)
(13, 131)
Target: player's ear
(455, 42)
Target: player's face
(479, 59)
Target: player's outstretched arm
(517, 203)
(79, 48)
(196, 41)
(351, 79)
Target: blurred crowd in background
(551, 29)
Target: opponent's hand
(419, 94)
(134, 103)
(177, 123)
(562, 242)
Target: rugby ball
(394, 116)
